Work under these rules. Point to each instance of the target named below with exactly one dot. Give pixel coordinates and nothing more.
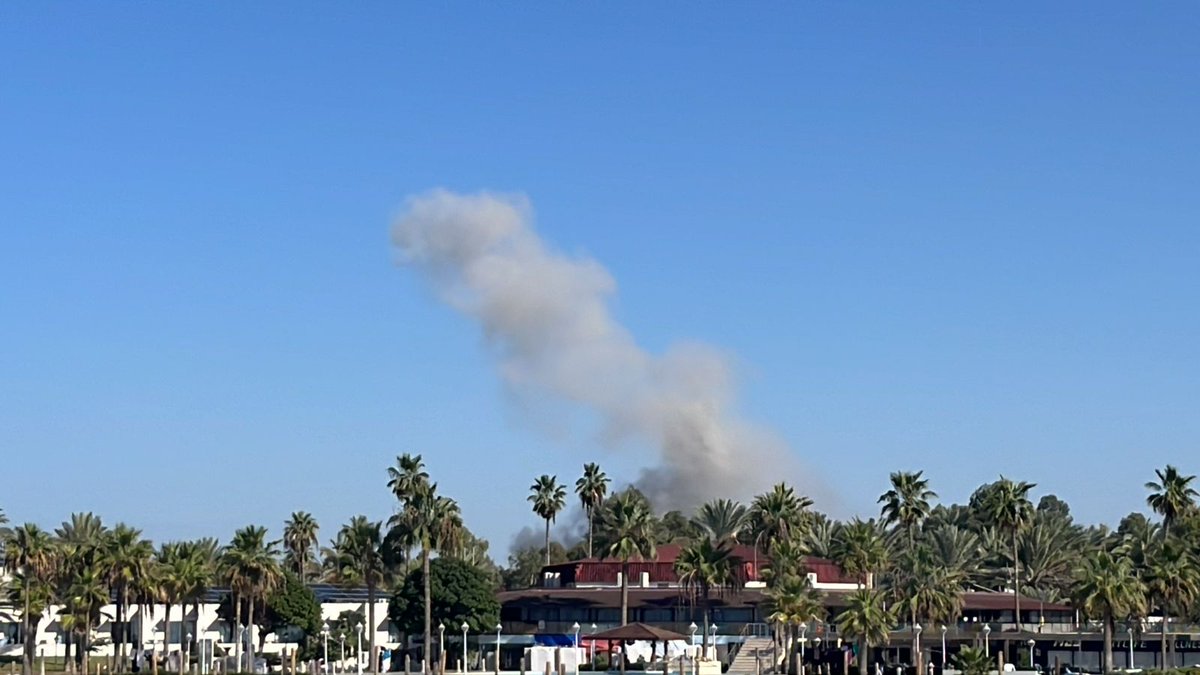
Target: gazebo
(635, 632)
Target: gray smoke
(546, 315)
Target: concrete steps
(744, 662)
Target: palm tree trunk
(591, 525)
(1108, 640)
(624, 593)
(547, 541)
(250, 634)
(371, 625)
(862, 657)
(84, 648)
(27, 645)
(166, 637)
(704, 633)
(1016, 582)
(237, 622)
(68, 663)
(1162, 630)
(428, 607)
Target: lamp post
(987, 645)
(803, 641)
(712, 630)
(341, 653)
(916, 656)
(325, 638)
(1031, 642)
(575, 627)
(358, 628)
(241, 636)
(441, 646)
(498, 629)
(943, 646)
(185, 661)
(465, 628)
(594, 647)
(1130, 631)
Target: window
(658, 616)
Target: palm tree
(973, 661)
(299, 538)
(860, 550)
(1173, 581)
(776, 516)
(1005, 504)
(252, 569)
(793, 602)
(592, 488)
(906, 505)
(548, 499)
(866, 619)
(928, 591)
(1106, 588)
(721, 520)
(84, 598)
(79, 543)
(360, 553)
(407, 477)
(628, 534)
(436, 524)
(29, 553)
(957, 550)
(127, 558)
(703, 566)
(1171, 496)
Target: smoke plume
(546, 316)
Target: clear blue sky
(943, 236)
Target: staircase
(744, 661)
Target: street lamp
(185, 655)
(943, 646)
(241, 645)
(1130, 630)
(575, 627)
(916, 644)
(594, 646)
(1031, 643)
(441, 645)
(358, 628)
(987, 645)
(498, 629)
(465, 628)
(712, 630)
(325, 637)
(342, 653)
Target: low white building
(151, 629)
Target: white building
(149, 627)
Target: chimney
(645, 580)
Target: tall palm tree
(202, 558)
(29, 553)
(360, 552)
(252, 568)
(703, 566)
(928, 591)
(1005, 504)
(128, 559)
(868, 620)
(299, 538)
(793, 602)
(628, 534)
(1173, 581)
(591, 488)
(721, 520)
(778, 515)
(1171, 496)
(407, 477)
(1106, 588)
(79, 540)
(83, 600)
(435, 522)
(906, 505)
(548, 498)
(860, 549)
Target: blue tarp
(554, 640)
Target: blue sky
(948, 237)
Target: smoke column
(546, 317)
